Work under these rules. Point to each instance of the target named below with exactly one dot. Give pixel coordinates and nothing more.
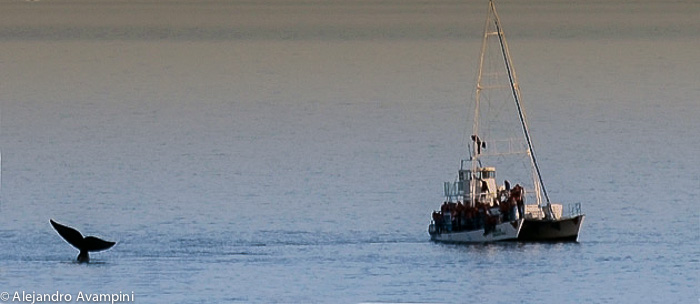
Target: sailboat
(479, 209)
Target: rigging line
(517, 100)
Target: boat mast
(516, 95)
(475, 127)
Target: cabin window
(488, 174)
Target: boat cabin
(483, 184)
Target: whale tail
(84, 244)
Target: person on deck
(517, 195)
(444, 207)
(437, 218)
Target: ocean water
(292, 151)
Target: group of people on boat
(458, 216)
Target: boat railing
(535, 212)
(505, 147)
(456, 190)
(574, 209)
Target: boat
(477, 208)
(482, 221)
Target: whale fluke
(84, 244)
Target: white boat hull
(501, 232)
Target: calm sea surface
(284, 151)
